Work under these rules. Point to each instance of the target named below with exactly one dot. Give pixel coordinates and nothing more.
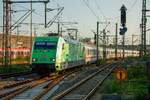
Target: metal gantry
(7, 27)
(97, 38)
(143, 29)
(102, 36)
(6, 43)
(116, 41)
(143, 49)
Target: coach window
(21, 52)
(12, 52)
(18, 53)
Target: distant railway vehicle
(17, 53)
(55, 53)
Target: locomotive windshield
(44, 45)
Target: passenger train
(17, 53)
(55, 53)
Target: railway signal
(123, 15)
(123, 25)
(121, 74)
(123, 30)
(123, 20)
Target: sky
(86, 13)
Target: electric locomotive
(55, 53)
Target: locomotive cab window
(44, 45)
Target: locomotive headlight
(33, 59)
(53, 59)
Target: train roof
(55, 38)
(71, 41)
(46, 38)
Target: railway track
(9, 93)
(50, 85)
(84, 89)
(42, 86)
(30, 85)
(4, 76)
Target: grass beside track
(19, 59)
(134, 87)
(14, 68)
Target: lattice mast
(6, 43)
(143, 29)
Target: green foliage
(101, 61)
(137, 73)
(138, 91)
(112, 86)
(14, 68)
(145, 58)
(20, 59)
(133, 89)
(131, 61)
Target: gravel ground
(99, 93)
(80, 92)
(70, 81)
(31, 93)
(66, 83)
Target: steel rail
(61, 95)
(16, 84)
(91, 93)
(25, 87)
(21, 90)
(8, 75)
(53, 84)
(50, 86)
(23, 84)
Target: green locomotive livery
(55, 53)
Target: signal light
(123, 15)
(122, 30)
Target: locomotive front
(44, 54)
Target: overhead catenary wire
(92, 11)
(29, 9)
(116, 17)
(63, 25)
(132, 6)
(100, 9)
